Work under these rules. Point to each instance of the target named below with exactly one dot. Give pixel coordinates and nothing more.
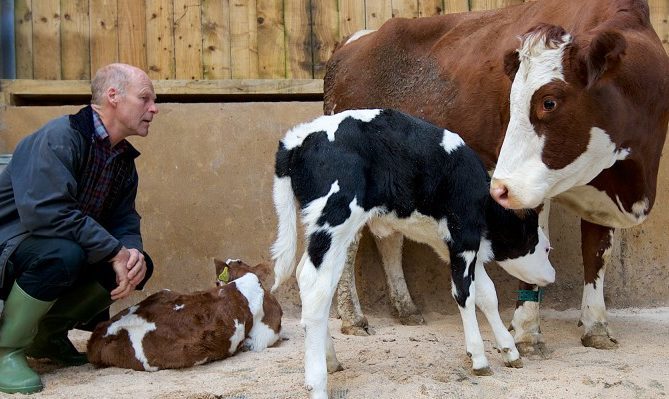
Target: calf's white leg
(463, 288)
(317, 286)
(486, 301)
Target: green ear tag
(225, 275)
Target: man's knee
(45, 267)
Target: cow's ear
(219, 265)
(511, 63)
(603, 55)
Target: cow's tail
(285, 246)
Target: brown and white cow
(577, 111)
(169, 330)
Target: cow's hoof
(333, 368)
(536, 349)
(515, 364)
(482, 372)
(599, 342)
(414, 319)
(357, 330)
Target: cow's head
(518, 244)
(560, 97)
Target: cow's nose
(499, 193)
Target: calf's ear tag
(224, 276)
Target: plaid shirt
(104, 174)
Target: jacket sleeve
(124, 221)
(45, 190)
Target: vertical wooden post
(478, 5)
(23, 36)
(452, 6)
(405, 8)
(75, 36)
(187, 40)
(271, 40)
(298, 39)
(132, 33)
(160, 39)
(243, 39)
(428, 8)
(324, 33)
(351, 18)
(377, 12)
(104, 33)
(216, 39)
(46, 39)
(659, 17)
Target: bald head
(117, 76)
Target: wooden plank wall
(212, 39)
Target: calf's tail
(284, 248)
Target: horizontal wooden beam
(47, 92)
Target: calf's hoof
(413, 319)
(485, 371)
(599, 342)
(534, 349)
(515, 364)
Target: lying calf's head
(232, 269)
(518, 244)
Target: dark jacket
(38, 193)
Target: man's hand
(130, 268)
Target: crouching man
(69, 233)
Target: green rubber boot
(77, 306)
(21, 316)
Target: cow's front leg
(353, 321)
(596, 248)
(526, 322)
(390, 249)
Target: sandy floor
(405, 362)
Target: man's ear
(112, 96)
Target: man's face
(135, 109)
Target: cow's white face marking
(137, 328)
(533, 268)
(357, 35)
(597, 207)
(178, 307)
(327, 123)
(520, 167)
(451, 141)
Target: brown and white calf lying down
(395, 172)
(169, 330)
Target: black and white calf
(395, 172)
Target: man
(69, 233)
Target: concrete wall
(205, 191)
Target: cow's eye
(549, 104)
